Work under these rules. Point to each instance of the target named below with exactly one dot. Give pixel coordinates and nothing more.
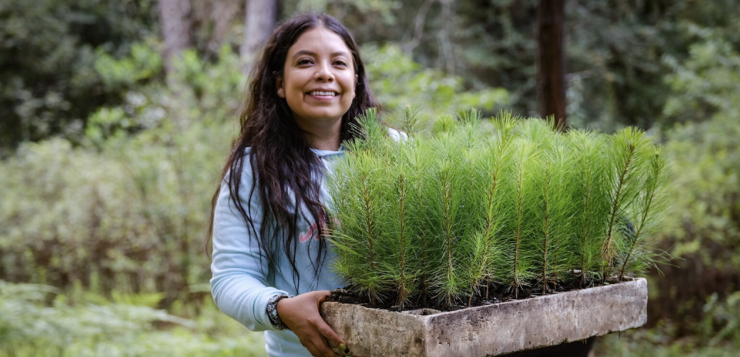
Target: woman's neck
(324, 137)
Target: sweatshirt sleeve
(239, 282)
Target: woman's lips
(322, 95)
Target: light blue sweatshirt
(242, 284)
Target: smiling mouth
(323, 94)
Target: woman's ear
(279, 85)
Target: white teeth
(316, 92)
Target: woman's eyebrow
(313, 54)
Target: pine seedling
(591, 170)
(411, 119)
(506, 124)
(539, 132)
(648, 215)
(628, 158)
(447, 186)
(404, 233)
(399, 229)
(444, 124)
(472, 116)
(370, 131)
(489, 183)
(525, 178)
(418, 165)
(357, 187)
(555, 214)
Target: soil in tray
(492, 294)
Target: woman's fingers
(301, 315)
(316, 351)
(330, 335)
(324, 328)
(316, 344)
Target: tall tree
(551, 60)
(259, 22)
(214, 24)
(177, 26)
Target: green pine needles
(507, 203)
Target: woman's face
(318, 80)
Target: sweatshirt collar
(324, 153)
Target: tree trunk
(259, 22)
(551, 60)
(222, 14)
(174, 17)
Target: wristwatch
(272, 311)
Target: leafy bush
(718, 334)
(128, 211)
(28, 327)
(397, 80)
(48, 82)
(706, 185)
(707, 82)
(518, 204)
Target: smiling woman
(318, 82)
(269, 252)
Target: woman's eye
(340, 63)
(304, 61)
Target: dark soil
(487, 295)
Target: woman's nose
(324, 73)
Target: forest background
(116, 117)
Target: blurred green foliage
(707, 83)
(618, 52)
(718, 335)
(129, 210)
(30, 326)
(435, 92)
(706, 156)
(48, 83)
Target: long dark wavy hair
(287, 173)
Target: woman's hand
(301, 315)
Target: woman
(269, 257)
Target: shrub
(31, 327)
(705, 184)
(128, 211)
(396, 80)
